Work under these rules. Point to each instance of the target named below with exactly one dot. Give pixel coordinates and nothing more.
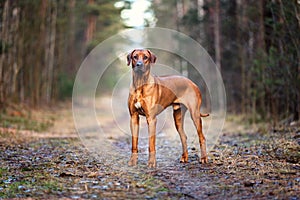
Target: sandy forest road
(243, 164)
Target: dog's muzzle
(139, 67)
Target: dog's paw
(184, 158)
(152, 160)
(152, 164)
(204, 160)
(133, 159)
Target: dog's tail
(204, 115)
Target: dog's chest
(142, 97)
(139, 101)
(139, 108)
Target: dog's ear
(129, 57)
(152, 57)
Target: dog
(150, 95)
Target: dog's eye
(145, 57)
(135, 57)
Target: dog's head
(141, 60)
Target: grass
(24, 123)
(51, 185)
(2, 171)
(243, 123)
(11, 187)
(25, 188)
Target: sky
(137, 14)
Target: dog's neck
(139, 80)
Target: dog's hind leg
(196, 117)
(178, 114)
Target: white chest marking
(138, 105)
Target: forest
(254, 43)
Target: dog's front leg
(134, 127)
(152, 134)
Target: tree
(256, 43)
(42, 44)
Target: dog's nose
(139, 64)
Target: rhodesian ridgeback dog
(150, 95)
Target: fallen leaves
(244, 165)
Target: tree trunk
(179, 14)
(4, 35)
(217, 34)
(91, 25)
(39, 71)
(50, 63)
(15, 49)
(71, 42)
(261, 51)
(242, 21)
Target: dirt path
(244, 163)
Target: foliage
(47, 41)
(259, 50)
(65, 85)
